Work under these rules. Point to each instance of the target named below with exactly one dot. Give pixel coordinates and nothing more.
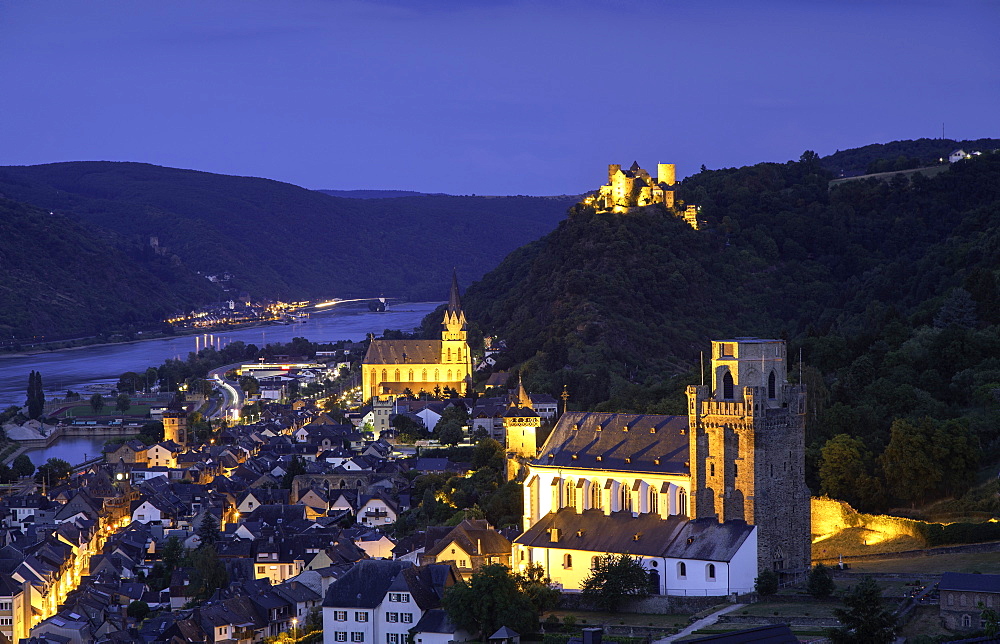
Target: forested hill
(900, 155)
(889, 290)
(280, 240)
(59, 277)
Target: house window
(357, 636)
(392, 638)
(567, 560)
(710, 572)
(407, 618)
(462, 564)
(403, 598)
(392, 617)
(340, 615)
(361, 617)
(260, 570)
(682, 570)
(340, 636)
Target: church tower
(747, 450)
(454, 330)
(520, 425)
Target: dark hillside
(889, 289)
(280, 240)
(899, 155)
(62, 279)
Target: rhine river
(84, 368)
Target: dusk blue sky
(487, 97)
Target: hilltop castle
(705, 500)
(635, 188)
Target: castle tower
(520, 425)
(613, 169)
(747, 449)
(175, 427)
(666, 173)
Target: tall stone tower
(747, 449)
(520, 424)
(175, 427)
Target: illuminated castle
(635, 188)
(393, 367)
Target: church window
(449, 354)
(682, 570)
(567, 560)
(423, 375)
(711, 469)
(966, 621)
(735, 470)
(654, 501)
(770, 385)
(594, 561)
(727, 386)
(595, 495)
(437, 375)
(449, 375)
(460, 355)
(710, 572)
(385, 375)
(397, 375)
(410, 379)
(570, 496)
(624, 497)
(682, 502)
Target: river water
(84, 368)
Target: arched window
(385, 375)
(397, 375)
(624, 497)
(449, 375)
(682, 502)
(770, 385)
(437, 375)
(410, 379)
(727, 386)
(595, 495)
(423, 375)
(593, 562)
(710, 572)
(570, 496)
(711, 469)
(682, 570)
(567, 560)
(967, 621)
(449, 354)
(654, 500)
(460, 355)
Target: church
(393, 367)
(704, 500)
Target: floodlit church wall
(548, 490)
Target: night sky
(485, 97)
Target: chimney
(592, 635)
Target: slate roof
(970, 582)
(622, 442)
(435, 621)
(365, 585)
(674, 537)
(476, 537)
(402, 352)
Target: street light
(295, 623)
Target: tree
(449, 433)
(766, 582)
(209, 572)
(23, 466)
(173, 552)
(866, 619)
(138, 610)
(208, 529)
(52, 471)
(295, 467)
(124, 403)
(130, 382)
(910, 468)
(7, 474)
(36, 397)
(536, 585)
(97, 403)
(490, 599)
(613, 579)
(820, 582)
(842, 466)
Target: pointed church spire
(523, 399)
(454, 302)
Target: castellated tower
(747, 450)
(175, 427)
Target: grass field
(86, 411)
(595, 618)
(984, 562)
(796, 609)
(924, 620)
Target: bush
(820, 583)
(766, 582)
